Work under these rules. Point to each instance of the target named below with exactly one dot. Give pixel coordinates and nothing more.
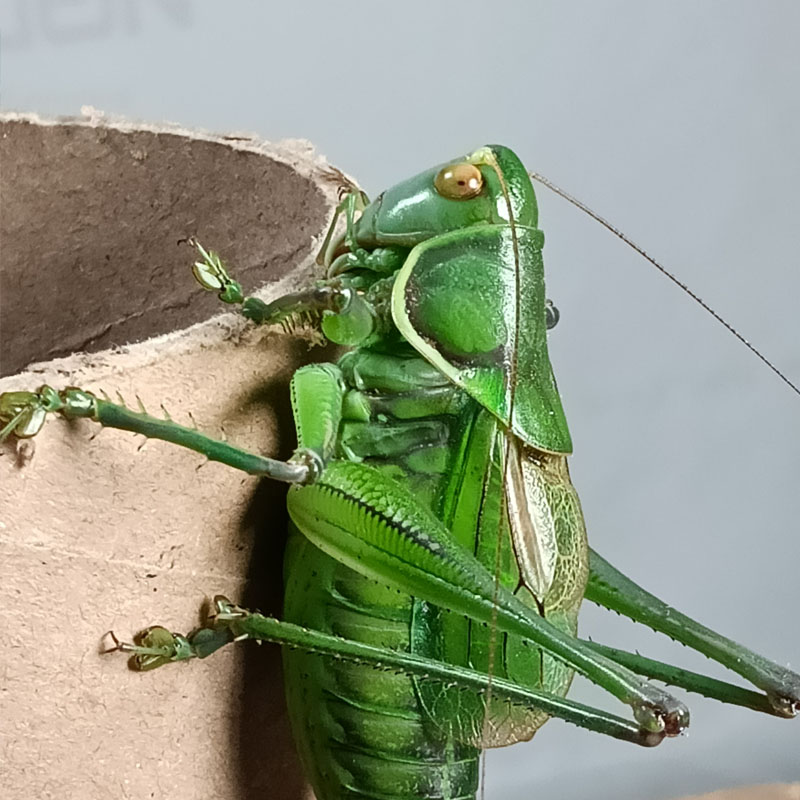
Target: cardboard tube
(101, 534)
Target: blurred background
(679, 122)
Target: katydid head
(474, 190)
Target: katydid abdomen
(363, 732)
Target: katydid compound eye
(459, 181)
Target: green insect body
(437, 557)
(426, 404)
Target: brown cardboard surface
(97, 211)
(98, 534)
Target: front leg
(337, 304)
(212, 274)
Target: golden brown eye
(459, 181)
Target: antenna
(663, 270)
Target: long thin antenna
(663, 270)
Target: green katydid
(438, 557)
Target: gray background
(679, 121)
